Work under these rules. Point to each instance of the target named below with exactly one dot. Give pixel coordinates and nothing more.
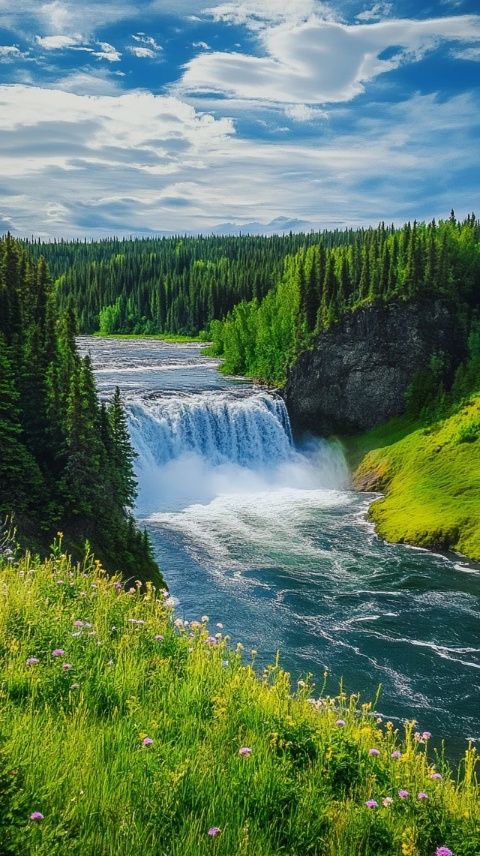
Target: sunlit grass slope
(431, 476)
(127, 732)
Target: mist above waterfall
(194, 448)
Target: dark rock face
(357, 374)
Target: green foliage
(168, 285)
(320, 285)
(65, 461)
(430, 472)
(74, 727)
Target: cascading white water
(252, 431)
(194, 447)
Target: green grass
(72, 740)
(163, 337)
(431, 477)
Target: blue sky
(180, 115)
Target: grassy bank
(431, 477)
(126, 732)
(162, 337)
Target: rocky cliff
(357, 373)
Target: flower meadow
(125, 730)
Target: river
(266, 538)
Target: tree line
(168, 285)
(320, 285)
(66, 461)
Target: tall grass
(77, 729)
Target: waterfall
(194, 447)
(251, 431)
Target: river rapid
(266, 537)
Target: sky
(158, 116)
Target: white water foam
(194, 448)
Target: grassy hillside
(127, 732)
(431, 477)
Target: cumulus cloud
(376, 12)
(8, 53)
(304, 113)
(138, 162)
(257, 13)
(146, 47)
(318, 61)
(472, 54)
(54, 43)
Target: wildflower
(60, 582)
(396, 755)
(371, 804)
(220, 625)
(210, 640)
(118, 586)
(67, 666)
(215, 830)
(77, 634)
(245, 751)
(436, 776)
(58, 652)
(147, 741)
(33, 661)
(300, 684)
(36, 815)
(78, 623)
(159, 637)
(74, 686)
(422, 796)
(403, 794)
(426, 735)
(178, 622)
(374, 752)
(205, 619)
(340, 723)
(443, 851)
(387, 801)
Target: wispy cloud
(320, 62)
(136, 162)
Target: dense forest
(168, 285)
(66, 462)
(320, 284)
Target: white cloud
(204, 46)
(146, 47)
(256, 13)
(9, 52)
(304, 113)
(377, 11)
(54, 43)
(472, 54)
(89, 81)
(142, 53)
(318, 61)
(138, 162)
(108, 52)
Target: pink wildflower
(245, 751)
(403, 794)
(340, 723)
(58, 652)
(147, 741)
(396, 755)
(213, 831)
(422, 796)
(36, 815)
(374, 752)
(33, 661)
(371, 804)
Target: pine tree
(122, 453)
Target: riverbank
(430, 475)
(127, 731)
